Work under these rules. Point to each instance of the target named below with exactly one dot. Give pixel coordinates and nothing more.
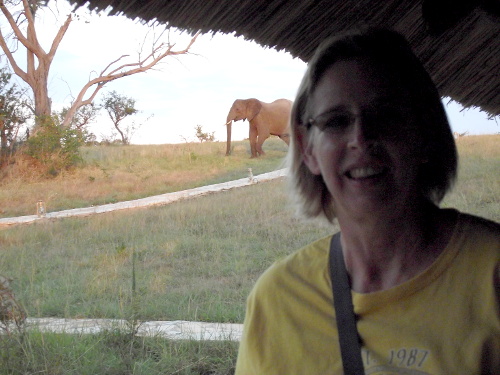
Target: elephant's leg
(252, 136)
(260, 142)
(264, 133)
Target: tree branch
(21, 73)
(111, 63)
(118, 73)
(15, 28)
(59, 36)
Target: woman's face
(365, 141)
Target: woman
(371, 147)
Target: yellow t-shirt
(444, 321)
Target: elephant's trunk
(228, 148)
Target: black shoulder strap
(350, 347)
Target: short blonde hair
(389, 48)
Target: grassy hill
(110, 174)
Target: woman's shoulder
(308, 263)
(476, 239)
(478, 227)
(309, 258)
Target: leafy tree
(21, 16)
(202, 136)
(119, 107)
(13, 115)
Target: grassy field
(193, 260)
(112, 174)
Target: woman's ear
(306, 148)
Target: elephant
(265, 119)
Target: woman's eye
(337, 122)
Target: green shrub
(54, 146)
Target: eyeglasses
(381, 117)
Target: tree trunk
(43, 103)
(122, 135)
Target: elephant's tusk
(227, 123)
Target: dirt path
(174, 330)
(145, 202)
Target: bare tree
(39, 61)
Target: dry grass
(111, 174)
(195, 259)
(477, 190)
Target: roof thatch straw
(458, 42)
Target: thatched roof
(458, 41)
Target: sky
(185, 91)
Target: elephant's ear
(253, 108)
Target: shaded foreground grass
(113, 353)
(194, 260)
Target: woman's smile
(365, 172)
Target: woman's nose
(360, 134)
